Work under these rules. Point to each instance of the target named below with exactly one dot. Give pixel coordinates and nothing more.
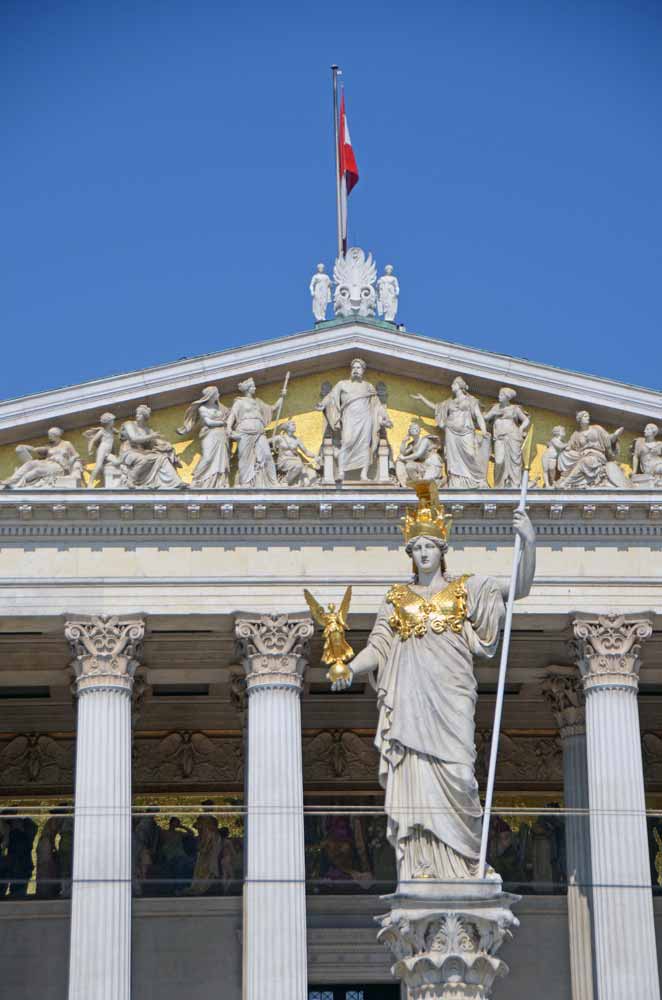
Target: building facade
(186, 806)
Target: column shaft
(274, 961)
(100, 957)
(275, 896)
(623, 904)
(105, 651)
(608, 650)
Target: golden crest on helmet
(429, 518)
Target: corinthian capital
(106, 650)
(608, 649)
(273, 649)
(563, 691)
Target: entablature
(368, 513)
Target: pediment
(399, 364)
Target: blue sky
(169, 187)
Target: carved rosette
(273, 649)
(563, 691)
(608, 650)
(448, 954)
(106, 651)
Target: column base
(444, 937)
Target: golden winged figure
(337, 651)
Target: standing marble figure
(388, 291)
(247, 425)
(213, 468)
(510, 424)
(422, 647)
(466, 440)
(354, 407)
(320, 290)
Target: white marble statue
(466, 439)
(510, 424)
(421, 650)
(320, 290)
(101, 443)
(550, 459)
(354, 276)
(295, 464)
(388, 290)
(246, 425)
(647, 459)
(147, 460)
(590, 459)
(56, 465)
(354, 408)
(419, 457)
(212, 471)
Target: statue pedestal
(444, 936)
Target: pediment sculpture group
(355, 447)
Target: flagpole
(503, 665)
(335, 70)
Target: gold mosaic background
(304, 393)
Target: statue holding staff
(421, 649)
(247, 424)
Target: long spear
(279, 408)
(503, 665)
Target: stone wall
(192, 948)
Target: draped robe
(426, 696)
(355, 408)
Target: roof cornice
(315, 350)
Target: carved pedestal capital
(563, 691)
(273, 650)
(446, 949)
(106, 651)
(607, 648)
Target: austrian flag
(349, 172)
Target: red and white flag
(349, 172)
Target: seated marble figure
(56, 465)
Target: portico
(199, 580)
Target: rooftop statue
(590, 459)
(550, 459)
(246, 425)
(421, 649)
(101, 443)
(353, 408)
(647, 460)
(354, 276)
(419, 458)
(56, 465)
(510, 424)
(320, 290)
(466, 440)
(147, 460)
(212, 471)
(388, 291)
(295, 464)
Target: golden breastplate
(412, 613)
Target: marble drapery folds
(426, 693)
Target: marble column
(106, 653)
(273, 649)
(608, 648)
(563, 691)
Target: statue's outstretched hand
(523, 527)
(344, 682)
